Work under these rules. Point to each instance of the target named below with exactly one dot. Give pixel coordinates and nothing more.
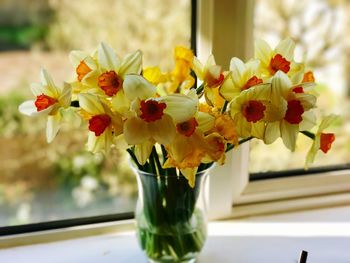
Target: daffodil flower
(322, 141)
(192, 146)
(86, 70)
(294, 107)
(50, 100)
(250, 110)
(103, 123)
(213, 77)
(279, 59)
(153, 118)
(242, 76)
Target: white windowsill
(324, 233)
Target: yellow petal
(163, 130)
(272, 132)
(143, 151)
(100, 143)
(198, 68)
(136, 131)
(205, 121)
(120, 103)
(190, 175)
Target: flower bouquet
(176, 124)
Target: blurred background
(42, 182)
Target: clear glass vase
(171, 217)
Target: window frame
(231, 192)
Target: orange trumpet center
(99, 123)
(151, 110)
(43, 101)
(279, 63)
(187, 128)
(253, 110)
(294, 112)
(82, 70)
(252, 82)
(214, 82)
(110, 82)
(326, 141)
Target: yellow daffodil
(279, 59)
(294, 107)
(86, 70)
(191, 146)
(322, 141)
(103, 124)
(250, 110)
(50, 100)
(242, 77)
(213, 77)
(153, 118)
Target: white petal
(280, 86)
(263, 51)
(327, 121)
(143, 151)
(37, 89)
(136, 86)
(286, 48)
(237, 67)
(198, 68)
(107, 57)
(28, 108)
(210, 61)
(49, 86)
(52, 127)
(136, 131)
(272, 132)
(308, 122)
(163, 130)
(289, 134)
(131, 64)
(90, 103)
(180, 107)
(76, 56)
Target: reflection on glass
(320, 29)
(41, 182)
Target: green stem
(200, 89)
(309, 134)
(224, 107)
(153, 165)
(133, 157)
(156, 158)
(231, 146)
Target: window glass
(43, 182)
(321, 31)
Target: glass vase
(170, 216)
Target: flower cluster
(169, 124)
